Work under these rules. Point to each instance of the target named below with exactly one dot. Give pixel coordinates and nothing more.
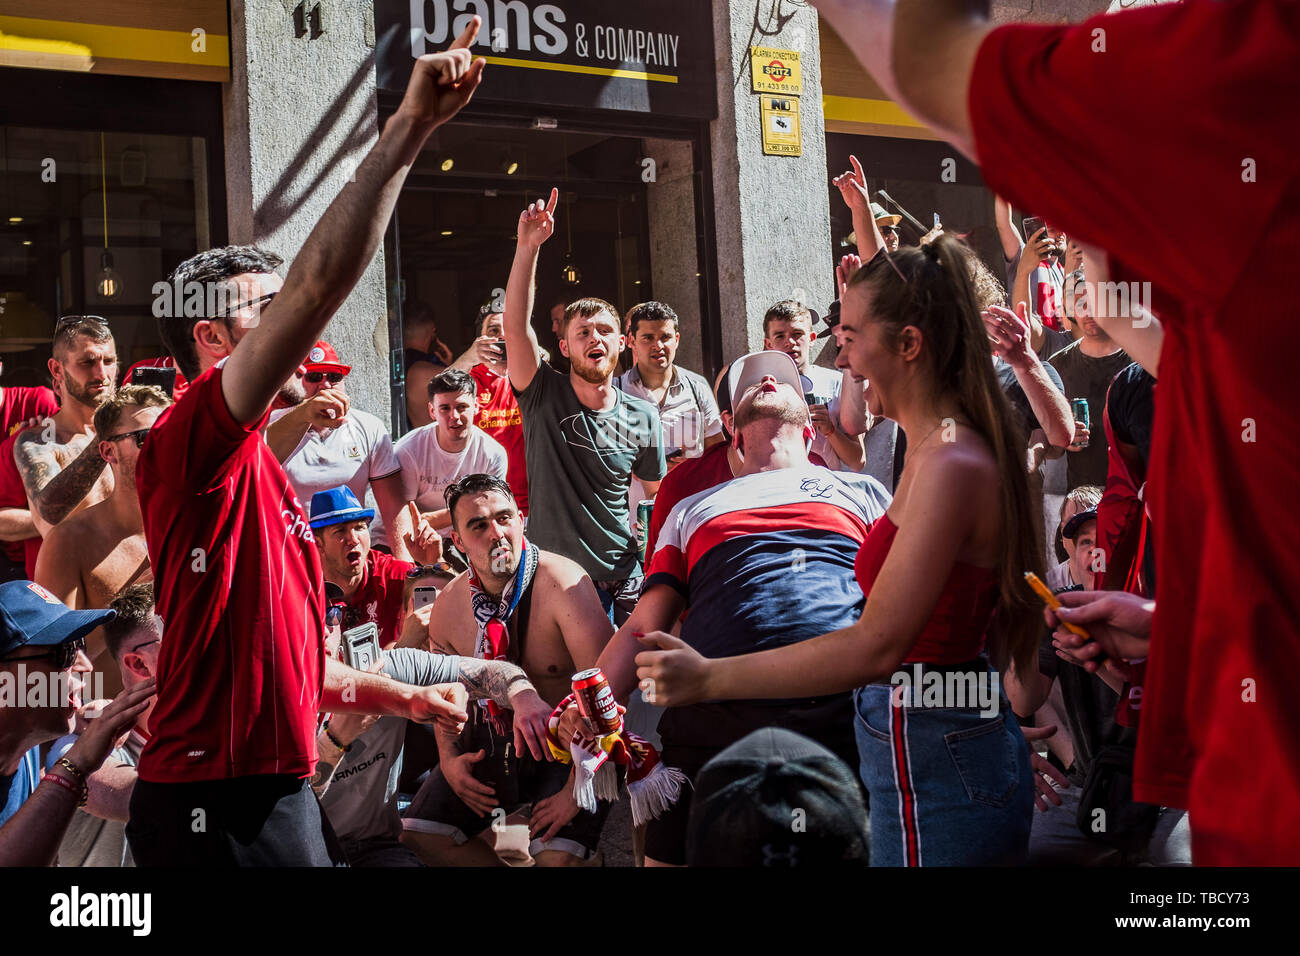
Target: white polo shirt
(354, 454)
(689, 414)
(825, 385)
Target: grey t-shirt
(580, 464)
(1087, 377)
(91, 840)
(361, 801)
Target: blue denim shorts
(949, 786)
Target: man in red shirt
(498, 412)
(19, 407)
(1218, 712)
(371, 581)
(242, 671)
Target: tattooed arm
(54, 491)
(498, 681)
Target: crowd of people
(280, 637)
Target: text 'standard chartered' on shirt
(580, 464)
(237, 578)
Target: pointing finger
(466, 39)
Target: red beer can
(596, 701)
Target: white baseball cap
(751, 369)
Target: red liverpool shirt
(238, 585)
(1176, 114)
(379, 599)
(499, 416)
(20, 404)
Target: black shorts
(436, 808)
(267, 820)
(694, 735)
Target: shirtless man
(555, 629)
(91, 557)
(58, 459)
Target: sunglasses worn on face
(139, 435)
(63, 655)
(315, 378)
(888, 231)
(260, 300)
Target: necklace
(943, 421)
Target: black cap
(832, 317)
(1074, 524)
(777, 799)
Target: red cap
(323, 358)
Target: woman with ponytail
(941, 754)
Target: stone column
(772, 213)
(300, 114)
(670, 200)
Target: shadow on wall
(282, 202)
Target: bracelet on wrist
(71, 768)
(334, 740)
(81, 792)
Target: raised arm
(1025, 289)
(920, 52)
(1007, 231)
(1009, 332)
(853, 190)
(536, 224)
(1134, 329)
(344, 241)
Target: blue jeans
(949, 786)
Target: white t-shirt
(825, 384)
(357, 452)
(427, 470)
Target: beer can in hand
(1079, 406)
(643, 511)
(596, 701)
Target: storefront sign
(776, 71)
(782, 135)
(648, 56)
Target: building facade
(693, 145)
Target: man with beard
(536, 609)
(58, 459)
(760, 562)
(584, 437)
(353, 448)
(92, 556)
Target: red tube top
(960, 621)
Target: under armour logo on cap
(43, 594)
(317, 354)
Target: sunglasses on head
(63, 655)
(140, 434)
(316, 378)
